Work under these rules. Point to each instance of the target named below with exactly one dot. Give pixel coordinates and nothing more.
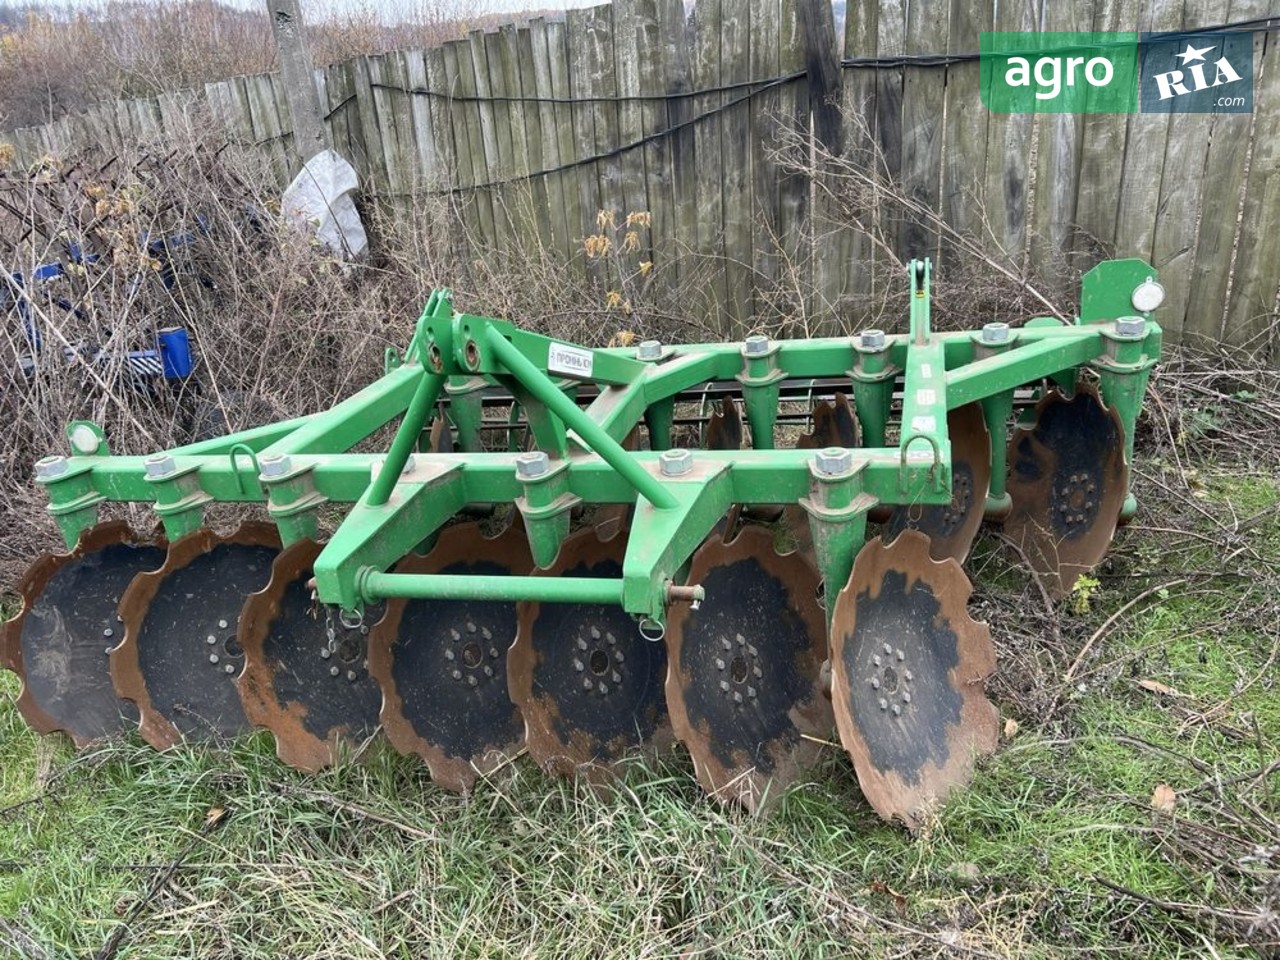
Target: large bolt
(995, 333)
(1131, 326)
(159, 465)
(49, 467)
(649, 350)
(532, 465)
(833, 461)
(275, 465)
(675, 463)
(756, 345)
(871, 339)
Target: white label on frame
(571, 361)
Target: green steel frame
(401, 499)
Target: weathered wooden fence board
(531, 129)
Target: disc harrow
(534, 566)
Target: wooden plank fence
(635, 106)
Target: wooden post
(296, 70)
(823, 66)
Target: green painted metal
(399, 501)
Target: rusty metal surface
(908, 667)
(744, 681)
(166, 664)
(441, 664)
(834, 425)
(1067, 481)
(305, 674)
(724, 427)
(59, 641)
(589, 685)
(951, 528)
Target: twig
(1097, 634)
(329, 800)
(112, 946)
(23, 944)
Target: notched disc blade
(744, 682)
(58, 644)
(442, 664)
(589, 685)
(908, 665)
(834, 425)
(305, 675)
(1067, 481)
(724, 428)
(951, 528)
(180, 652)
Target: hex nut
(531, 465)
(871, 339)
(1131, 326)
(756, 345)
(995, 333)
(833, 461)
(276, 465)
(49, 467)
(160, 465)
(649, 350)
(675, 463)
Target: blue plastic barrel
(175, 352)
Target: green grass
(371, 860)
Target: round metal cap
(83, 440)
(649, 350)
(1147, 295)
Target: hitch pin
(691, 594)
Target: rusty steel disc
(180, 652)
(589, 684)
(442, 664)
(744, 680)
(305, 674)
(908, 665)
(952, 527)
(1067, 481)
(834, 425)
(58, 643)
(724, 427)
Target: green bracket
(292, 498)
(761, 380)
(837, 509)
(546, 505)
(992, 341)
(179, 498)
(1132, 349)
(73, 497)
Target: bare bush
(56, 60)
